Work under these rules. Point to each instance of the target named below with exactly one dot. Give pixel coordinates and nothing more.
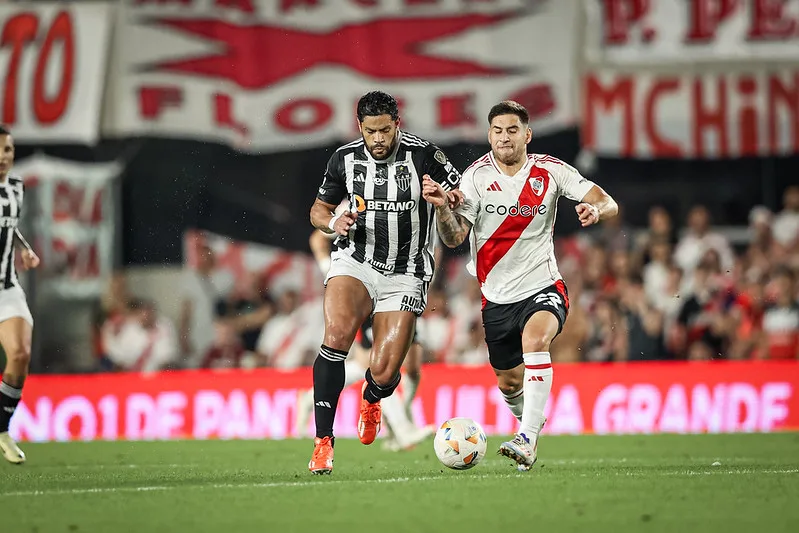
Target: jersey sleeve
(334, 185)
(471, 198)
(439, 168)
(571, 183)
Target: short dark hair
(376, 103)
(4, 130)
(509, 107)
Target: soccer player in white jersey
(16, 322)
(510, 202)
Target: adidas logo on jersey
(494, 187)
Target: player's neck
(510, 170)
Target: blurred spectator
(698, 239)
(657, 271)
(781, 319)
(567, 347)
(143, 342)
(438, 332)
(246, 310)
(111, 311)
(607, 340)
(643, 323)
(227, 350)
(701, 323)
(786, 222)
(289, 338)
(474, 351)
(200, 294)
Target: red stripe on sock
(538, 367)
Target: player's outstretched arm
(452, 228)
(596, 205)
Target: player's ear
(529, 135)
(358, 124)
(397, 122)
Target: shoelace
(372, 414)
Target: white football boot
(10, 450)
(521, 450)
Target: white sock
(396, 417)
(409, 387)
(515, 402)
(537, 384)
(353, 373)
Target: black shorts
(504, 323)
(366, 337)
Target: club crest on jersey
(537, 184)
(402, 175)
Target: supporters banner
(649, 32)
(696, 397)
(52, 63)
(74, 223)
(270, 76)
(676, 115)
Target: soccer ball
(460, 443)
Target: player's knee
(537, 342)
(19, 356)
(508, 384)
(383, 376)
(339, 337)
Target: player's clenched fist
(343, 223)
(433, 192)
(587, 213)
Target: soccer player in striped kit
(384, 262)
(16, 322)
(510, 203)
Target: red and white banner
(75, 223)
(52, 70)
(261, 404)
(709, 115)
(649, 32)
(269, 76)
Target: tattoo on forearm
(450, 226)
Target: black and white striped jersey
(11, 193)
(395, 232)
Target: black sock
(373, 392)
(328, 382)
(9, 399)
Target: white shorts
(14, 304)
(389, 292)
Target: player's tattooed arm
(452, 227)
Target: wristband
(333, 222)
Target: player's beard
(389, 150)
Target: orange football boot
(369, 421)
(322, 458)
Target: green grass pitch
(584, 483)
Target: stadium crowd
(654, 293)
